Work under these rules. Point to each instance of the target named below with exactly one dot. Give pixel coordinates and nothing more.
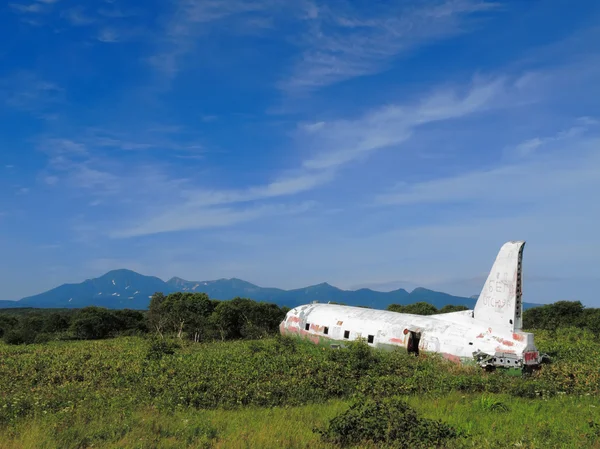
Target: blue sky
(289, 143)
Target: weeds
(60, 380)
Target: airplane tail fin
(499, 304)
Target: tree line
(192, 316)
(196, 317)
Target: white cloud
(51, 180)
(77, 17)
(336, 41)
(188, 217)
(167, 203)
(570, 165)
(343, 44)
(108, 35)
(26, 91)
(192, 17)
(528, 147)
(342, 141)
(284, 186)
(31, 8)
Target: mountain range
(119, 289)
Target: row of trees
(196, 317)
(40, 325)
(424, 308)
(562, 314)
(192, 316)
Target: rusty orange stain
(518, 337)
(507, 351)
(451, 357)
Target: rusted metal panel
(490, 333)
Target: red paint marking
(480, 335)
(451, 357)
(398, 341)
(531, 356)
(508, 343)
(508, 351)
(518, 337)
(293, 319)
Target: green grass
(528, 423)
(272, 393)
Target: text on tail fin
(499, 303)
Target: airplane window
(370, 339)
(346, 334)
(326, 330)
(307, 327)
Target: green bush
(390, 422)
(159, 348)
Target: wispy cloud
(194, 218)
(191, 17)
(343, 44)
(336, 41)
(526, 182)
(284, 186)
(31, 8)
(184, 203)
(77, 17)
(27, 92)
(118, 13)
(108, 35)
(342, 141)
(530, 147)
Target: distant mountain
(117, 289)
(226, 289)
(122, 288)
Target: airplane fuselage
(456, 336)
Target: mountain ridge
(123, 288)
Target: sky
(292, 142)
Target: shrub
(159, 348)
(390, 421)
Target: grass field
(129, 392)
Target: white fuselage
(456, 336)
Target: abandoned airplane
(489, 335)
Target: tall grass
(560, 422)
(129, 392)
